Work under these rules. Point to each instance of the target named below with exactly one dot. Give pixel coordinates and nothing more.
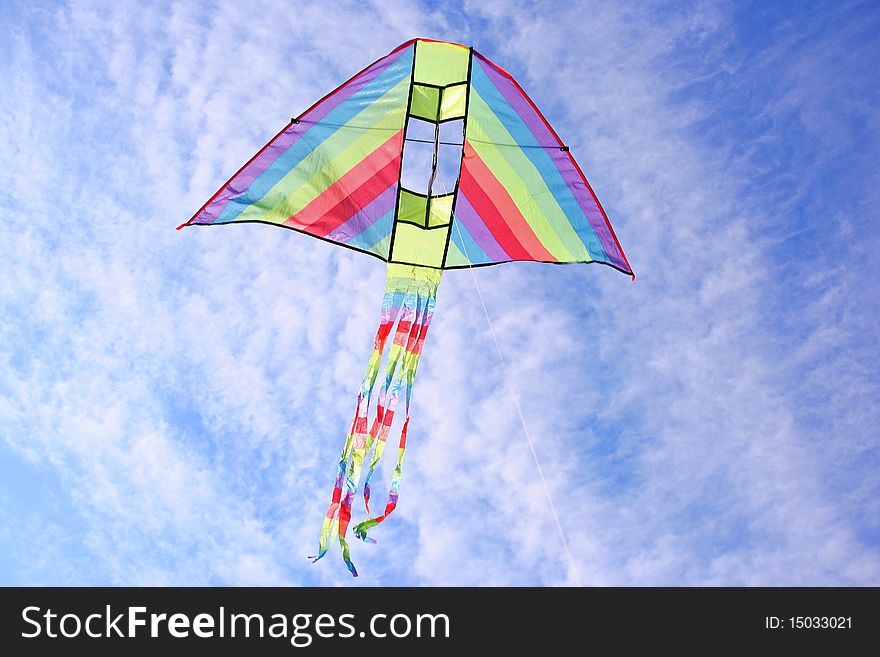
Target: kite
(431, 158)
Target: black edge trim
(412, 78)
(295, 230)
(434, 162)
(419, 118)
(439, 86)
(425, 141)
(376, 255)
(427, 84)
(544, 262)
(409, 191)
(404, 221)
(467, 100)
(454, 118)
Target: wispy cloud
(183, 396)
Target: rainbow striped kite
(431, 158)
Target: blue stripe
(466, 244)
(394, 299)
(549, 172)
(374, 233)
(316, 134)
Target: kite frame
(442, 266)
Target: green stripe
(522, 180)
(381, 247)
(332, 158)
(454, 257)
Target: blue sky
(172, 403)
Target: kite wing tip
(184, 224)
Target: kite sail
(431, 158)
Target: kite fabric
(370, 167)
(407, 309)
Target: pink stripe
(352, 192)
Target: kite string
(522, 420)
(348, 126)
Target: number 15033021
(808, 622)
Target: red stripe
(499, 211)
(352, 192)
(382, 335)
(345, 513)
(491, 217)
(354, 202)
(403, 328)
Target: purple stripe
(545, 137)
(475, 225)
(345, 92)
(366, 217)
(278, 146)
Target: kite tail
(407, 307)
(389, 314)
(416, 340)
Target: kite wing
(521, 195)
(335, 172)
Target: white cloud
(190, 390)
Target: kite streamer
(343, 171)
(407, 309)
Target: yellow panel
(452, 105)
(441, 210)
(425, 102)
(441, 63)
(412, 208)
(419, 246)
